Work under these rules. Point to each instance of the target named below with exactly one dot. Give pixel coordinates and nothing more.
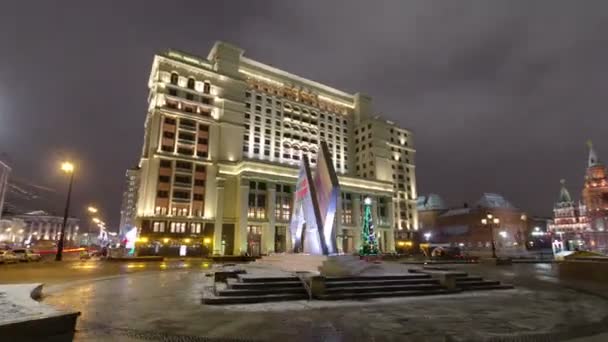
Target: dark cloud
(501, 95)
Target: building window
(206, 88)
(158, 227)
(257, 200)
(174, 78)
(183, 165)
(190, 83)
(347, 208)
(178, 227)
(282, 211)
(382, 206)
(195, 228)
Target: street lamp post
(491, 221)
(67, 167)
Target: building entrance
(280, 239)
(346, 241)
(254, 240)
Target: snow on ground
(16, 303)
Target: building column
(357, 220)
(338, 221)
(240, 243)
(390, 243)
(270, 208)
(219, 219)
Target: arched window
(206, 88)
(174, 78)
(190, 83)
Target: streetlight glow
(484, 221)
(92, 210)
(496, 220)
(96, 220)
(67, 167)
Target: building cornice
(255, 168)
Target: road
(52, 272)
(161, 301)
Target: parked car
(25, 255)
(8, 257)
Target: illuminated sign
(131, 238)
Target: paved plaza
(161, 301)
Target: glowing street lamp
(68, 168)
(96, 220)
(92, 210)
(491, 221)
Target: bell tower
(595, 191)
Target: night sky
(501, 95)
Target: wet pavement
(52, 272)
(164, 304)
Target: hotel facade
(224, 138)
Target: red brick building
(463, 227)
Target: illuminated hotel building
(224, 136)
(128, 205)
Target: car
(8, 257)
(25, 255)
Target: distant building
(40, 225)
(462, 227)
(128, 209)
(4, 171)
(429, 209)
(583, 225)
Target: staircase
(474, 283)
(466, 282)
(364, 287)
(245, 290)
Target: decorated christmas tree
(369, 244)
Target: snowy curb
(22, 316)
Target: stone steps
(223, 300)
(382, 289)
(364, 287)
(262, 291)
(253, 286)
(249, 279)
(470, 283)
(247, 290)
(369, 295)
(369, 282)
(489, 287)
(380, 277)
